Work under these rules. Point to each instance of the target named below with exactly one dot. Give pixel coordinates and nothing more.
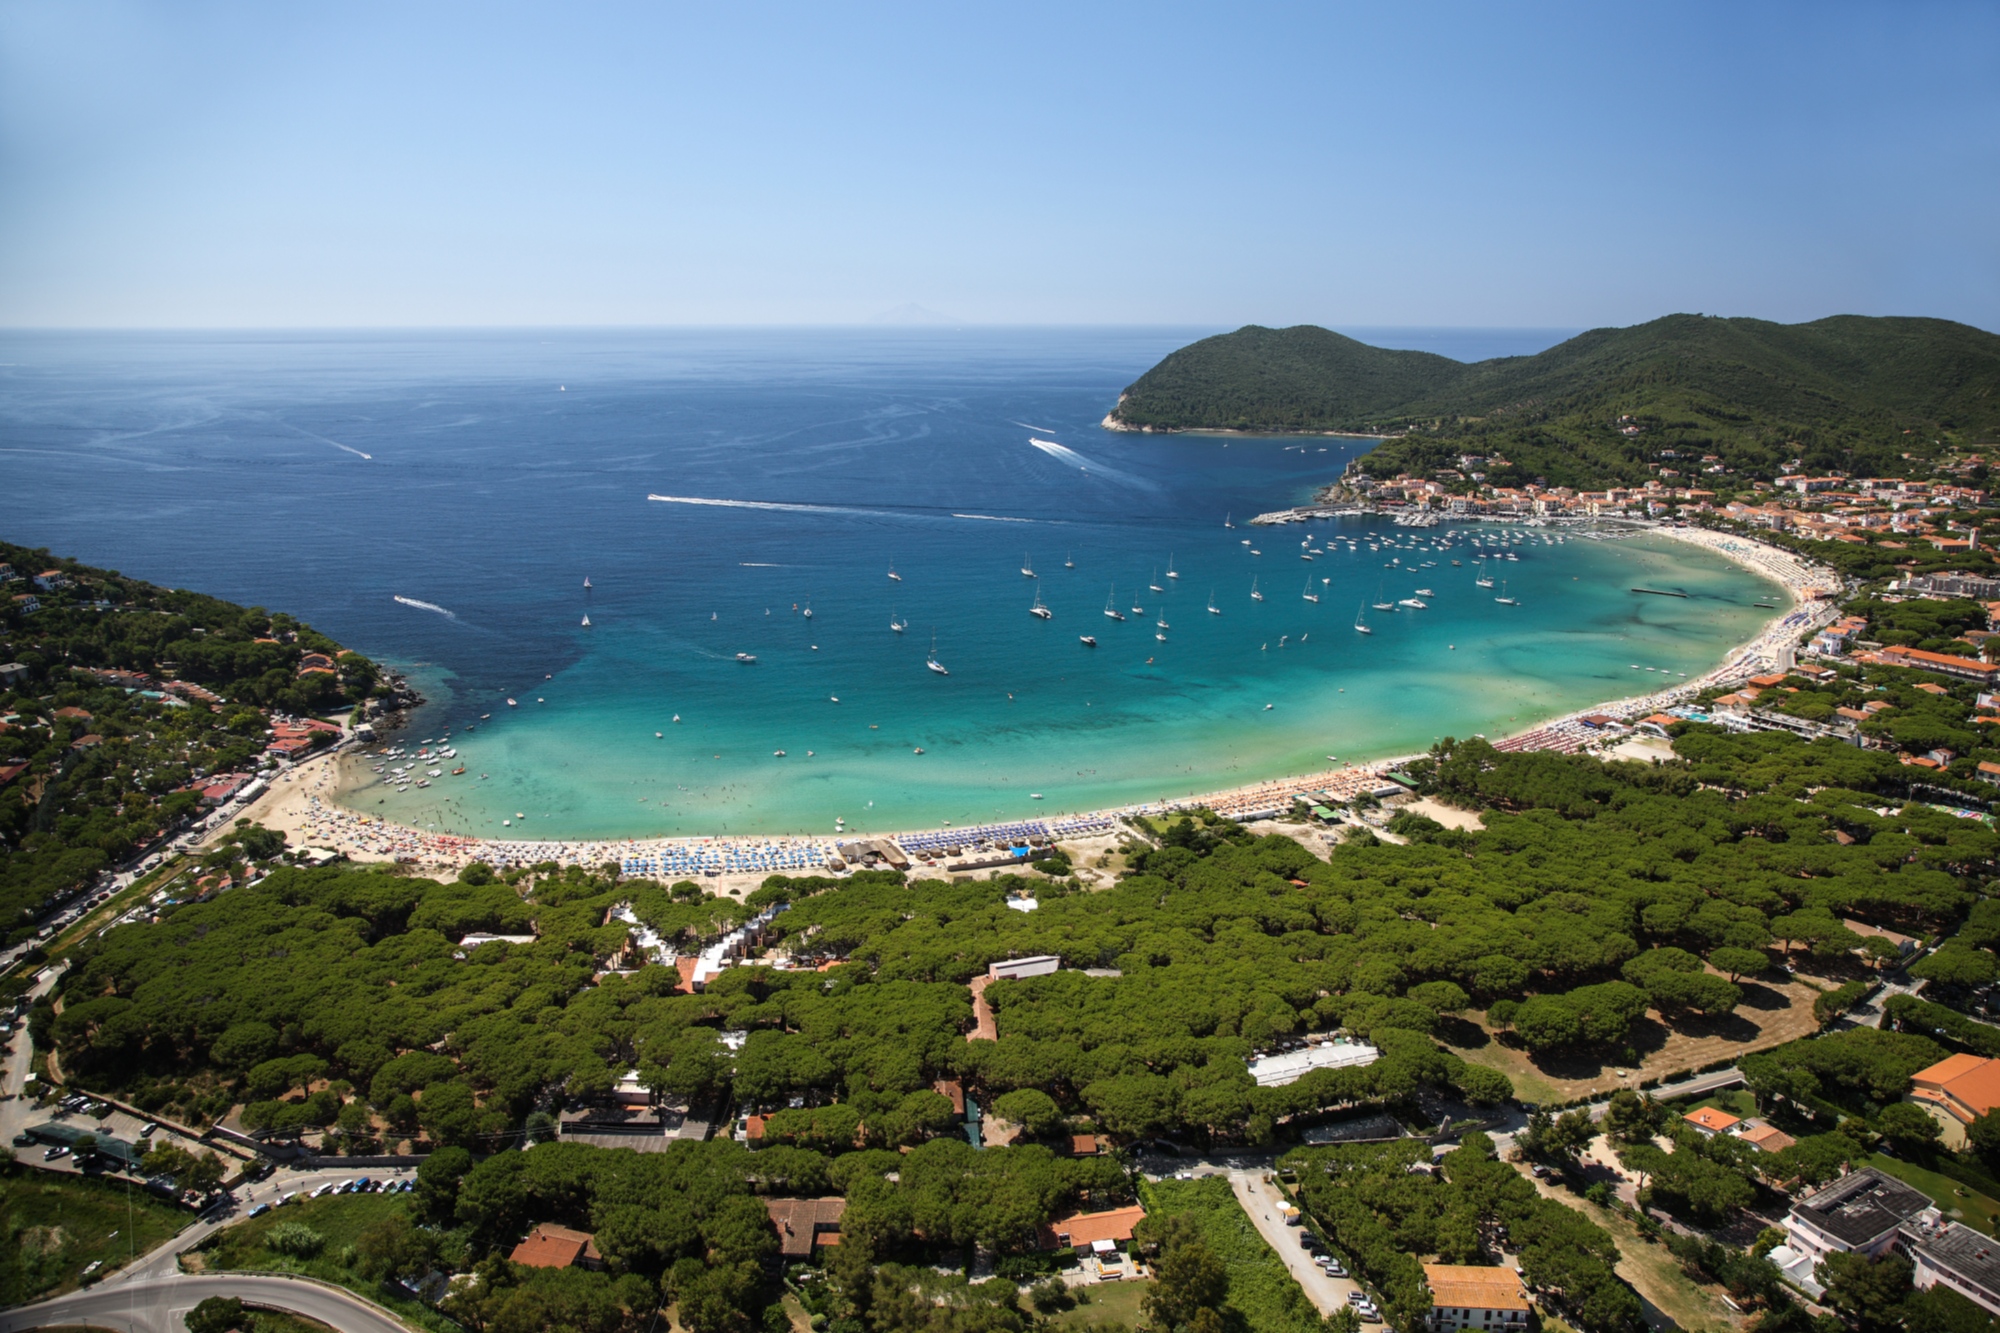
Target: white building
(1274, 1071)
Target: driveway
(160, 1304)
(1261, 1201)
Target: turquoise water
(487, 474)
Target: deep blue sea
(488, 474)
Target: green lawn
(339, 1219)
(1105, 1303)
(1737, 1101)
(1959, 1202)
(57, 1225)
(1260, 1287)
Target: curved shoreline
(303, 803)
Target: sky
(436, 163)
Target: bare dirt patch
(1448, 815)
(1771, 1014)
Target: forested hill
(1849, 393)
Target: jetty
(1659, 592)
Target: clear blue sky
(437, 163)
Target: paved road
(158, 1305)
(1260, 1202)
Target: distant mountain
(1849, 392)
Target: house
(1093, 1233)
(73, 714)
(804, 1225)
(1965, 1260)
(1710, 1120)
(1904, 944)
(27, 603)
(12, 674)
(1657, 724)
(1466, 1296)
(1957, 1090)
(51, 579)
(551, 1246)
(8, 772)
(1764, 1137)
(1989, 771)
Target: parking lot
(1263, 1204)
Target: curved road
(157, 1304)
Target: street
(159, 1304)
(1260, 1201)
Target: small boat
(1110, 610)
(1034, 796)
(897, 625)
(808, 612)
(1170, 568)
(1039, 611)
(1413, 604)
(677, 717)
(1425, 592)
(1163, 624)
(459, 771)
(1361, 620)
(746, 658)
(586, 620)
(482, 717)
(1087, 640)
(1161, 637)
(918, 750)
(1067, 562)
(932, 661)
(586, 580)
(777, 754)
(512, 704)
(1213, 609)
(1255, 596)
(1226, 523)
(894, 577)
(1255, 551)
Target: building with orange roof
(1468, 1296)
(1093, 1232)
(1712, 1120)
(803, 1225)
(1764, 1137)
(1957, 1090)
(551, 1246)
(1965, 668)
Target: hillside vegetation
(1851, 393)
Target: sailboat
(1309, 594)
(1155, 586)
(1027, 567)
(1039, 611)
(1163, 624)
(1484, 580)
(1361, 619)
(897, 625)
(1226, 523)
(586, 620)
(1213, 609)
(1255, 596)
(586, 580)
(932, 661)
(1170, 568)
(809, 609)
(1110, 610)
(894, 577)
(1381, 605)
(1503, 598)
(1067, 562)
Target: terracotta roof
(551, 1246)
(1085, 1145)
(1766, 1138)
(1469, 1287)
(804, 1223)
(1113, 1224)
(1711, 1118)
(1968, 1086)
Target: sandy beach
(302, 802)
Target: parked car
(149, 1130)
(260, 1210)
(54, 1154)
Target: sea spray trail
(1065, 454)
(788, 507)
(323, 440)
(425, 606)
(1045, 430)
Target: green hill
(1851, 393)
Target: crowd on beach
(302, 804)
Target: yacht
(1361, 620)
(932, 661)
(1413, 604)
(1087, 640)
(1163, 624)
(1110, 610)
(1255, 596)
(1170, 568)
(745, 658)
(1039, 611)
(1161, 637)
(1504, 599)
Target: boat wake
(994, 518)
(426, 606)
(1062, 453)
(780, 506)
(1026, 425)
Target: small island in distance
(1850, 393)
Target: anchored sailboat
(1027, 567)
(894, 577)
(1309, 594)
(932, 661)
(1170, 568)
(1503, 598)
(1039, 611)
(1255, 596)
(1361, 619)
(1110, 610)
(1213, 609)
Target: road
(159, 1304)
(1260, 1200)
